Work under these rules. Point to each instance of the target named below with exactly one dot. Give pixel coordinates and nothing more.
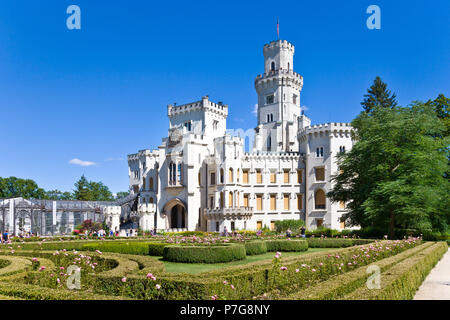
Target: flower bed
(204, 253)
(402, 280)
(345, 283)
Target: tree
(16, 187)
(58, 195)
(394, 175)
(378, 96)
(91, 191)
(441, 105)
(100, 192)
(121, 195)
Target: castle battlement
(283, 44)
(265, 155)
(276, 75)
(205, 104)
(331, 128)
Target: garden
(205, 266)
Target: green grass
(202, 267)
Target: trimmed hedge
(204, 253)
(345, 283)
(126, 247)
(402, 280)
(329, 243)
(252, 279)
(157, 249)
(255, 247)
(286, 245)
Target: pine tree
(82, 190)
(378, 96)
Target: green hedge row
(286, 245)
(402, 280)
(120, 247)
(329, 243)
(253, 279)
(255, 247)
(343, 284)
(204, 254)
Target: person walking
(302, 232)
(5, 237)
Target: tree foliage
(12, 187)
(394, 175)
(378, 96)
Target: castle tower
(279, 98)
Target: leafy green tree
(16, 187)
(91, 191)
(378, 96)
(394, 175)
(82, 191)
(58, 195)
(100, 192)
(441, 105)
(121, 195)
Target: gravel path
(437, 284)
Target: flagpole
(278, 30)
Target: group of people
(302, 232)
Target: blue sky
(100, 93)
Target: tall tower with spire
(278, 99)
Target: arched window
(151, 183)
(271, 117)
(238, 174)
(269, 143)
(230, 175)
(221, 176)
(319, 197)
(268, 118)
(289, 66)
(230, 199)
(151, 200)
(272, 67)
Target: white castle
(201, 178)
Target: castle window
(215, 124)
(271, 117)
(273, 202)
(213, 178)
(270, 99)
(259, 203)
(299, 176)
(319, 197)
(259, 178)
(269, 143)
(286, 202)
(222, 179)
(211, 202)
(230, 199)
(246, 200)
(320, 174)
(230, 175)
(272, 66)
(245, 176)
(172, 173)
(299, 202)
(289, 66)
(319, 152)
(286, 176)
(273, 177)
(151, 183)
(179, 176)
(342, 149)
(294, 99)
(151, 200)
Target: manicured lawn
(201, 267)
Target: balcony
(234, 213)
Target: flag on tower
(278, 30)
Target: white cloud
(304, 108)
(82, 163)
(255, 110)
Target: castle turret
(279, 98)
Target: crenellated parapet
(331, 129)
(271, 156)
(203, 105)
(277, 45)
